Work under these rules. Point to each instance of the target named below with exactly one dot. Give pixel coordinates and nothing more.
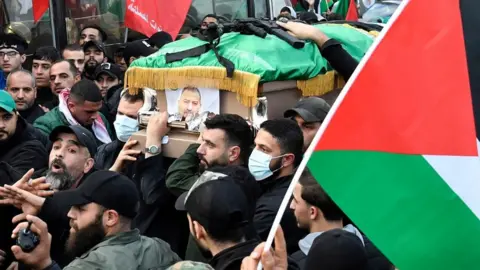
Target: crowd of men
(70, 171)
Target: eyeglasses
(9, 54)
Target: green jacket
(127, 250)
(183, 172)
(55, 118)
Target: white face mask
(259, 165)
(125, 127)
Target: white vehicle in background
(377, 11)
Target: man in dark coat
(278, 148)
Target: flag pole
(126, 35)
(50, 11)
(321, 131)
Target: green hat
(6, 101)
(190, 265)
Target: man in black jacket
(71, 161)
(21, 86)
(43, 59)
(21, 144)
(157, 216)
(278, 148)
(219, 212)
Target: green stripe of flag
(403, 206)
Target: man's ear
(314, 213)
(111, 218)
(78, 77)
(88, 165)
(198, 230)
(288, 160)
(234, 153)
(131, 60)
(35, 92)
(23, 57)
(70, 104)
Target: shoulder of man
(49, 121)
(190, 265)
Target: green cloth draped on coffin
(270, 58)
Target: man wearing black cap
(100, 216)
(137, 49)
(95, 55)
(309, 114)
(71, 157)
(218, 213)
(160, 39)
(12, 55)
(108, 75)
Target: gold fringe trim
(320, 84)
(243, 83)
(372, 33)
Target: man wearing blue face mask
(146, 170)
(278, 148)
(125, 125)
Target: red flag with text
(39, 8)
(151, 16)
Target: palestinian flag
(325, 5)
(399, 150)
(348, 10)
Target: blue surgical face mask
(259, 165)
(125, 127)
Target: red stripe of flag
(151, 16)
(352, 13)
(39, 8)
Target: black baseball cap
(218, 204)
(97, 44)
(110, 69)
(137, 49)
(337, 249)
(159, 39)
(14, 42)
(109, 189)
(311, 109)
(84, 136)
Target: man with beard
(92, 32)
(43, 58)
(100, 216)
(21, 86)
(226, 140)
(157, 216)
(79, 106)
(22, 147)
(95, 55)
(278, 148)
(12, 55)
(309, 114)
(71, 157)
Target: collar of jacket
(122, 238)
(233, 255)
(272, 183)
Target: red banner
(151, 16)
(39, 7)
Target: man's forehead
(67, 54)
(41, 62)
(265, 138)
(65, 136)
(214, 135)
(105, 76)
(90, 31)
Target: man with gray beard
(71, 157)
